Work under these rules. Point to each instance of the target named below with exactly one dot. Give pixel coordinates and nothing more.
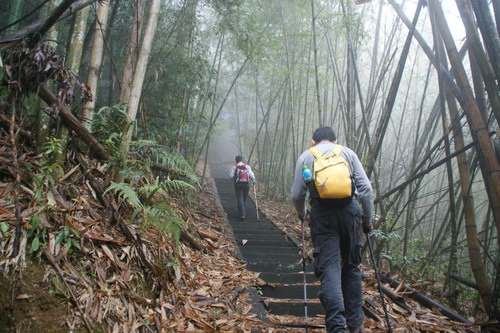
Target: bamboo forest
(155, 166)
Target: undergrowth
(146, 195)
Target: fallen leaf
(108, 252)
(23, 296)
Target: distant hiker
(335, 223)
(242, 174)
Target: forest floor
(82, 265)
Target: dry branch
(208, 234)
(424, 300)
(72, 122)
(12, 139)
(5, 122)
(370, 313)
(191, 241)
(394, 297)
(462, 280)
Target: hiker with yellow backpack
(336, 179)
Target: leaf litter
(101, 280)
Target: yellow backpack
(331, 174)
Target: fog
(223, 148)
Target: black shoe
(242, 218)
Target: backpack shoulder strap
(337, 150)
(316, 153)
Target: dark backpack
(241, 175)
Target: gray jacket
(363, 187)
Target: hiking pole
(378, 283)
(255, 197)
(304, 270)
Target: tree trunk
(489, 33)
(206, 143)
(206, 94)
(185, 38)
(391, 98)
(16, 11)
(140, 71)
(487, 157)
(132, 50)
(213, 119)
(44, 122)
(315, 53)
(452, 262)
(484, 65)
(496, 10)
(488, 162)
(350, 84)
(73, 62)
(74, 58)
(428, 52)
(96, 60)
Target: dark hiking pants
(335, 234)
(241, 190)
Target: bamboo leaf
(35, 244)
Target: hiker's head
(324, 133)
(238, 159)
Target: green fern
(176, 161)
(157, 214)
(109, 121)
(176, 185)
(141, 144)
(134, 169)
(108, 126)
(149, 190)
(125, 192)
(164, 218)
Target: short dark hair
(238, 159)
(324, 133)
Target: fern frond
(150, 190)
(176, 161)
(166, 220)
(126, 192)
(176, 185)
(173, 160)
(139, 144)
(110, 120)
